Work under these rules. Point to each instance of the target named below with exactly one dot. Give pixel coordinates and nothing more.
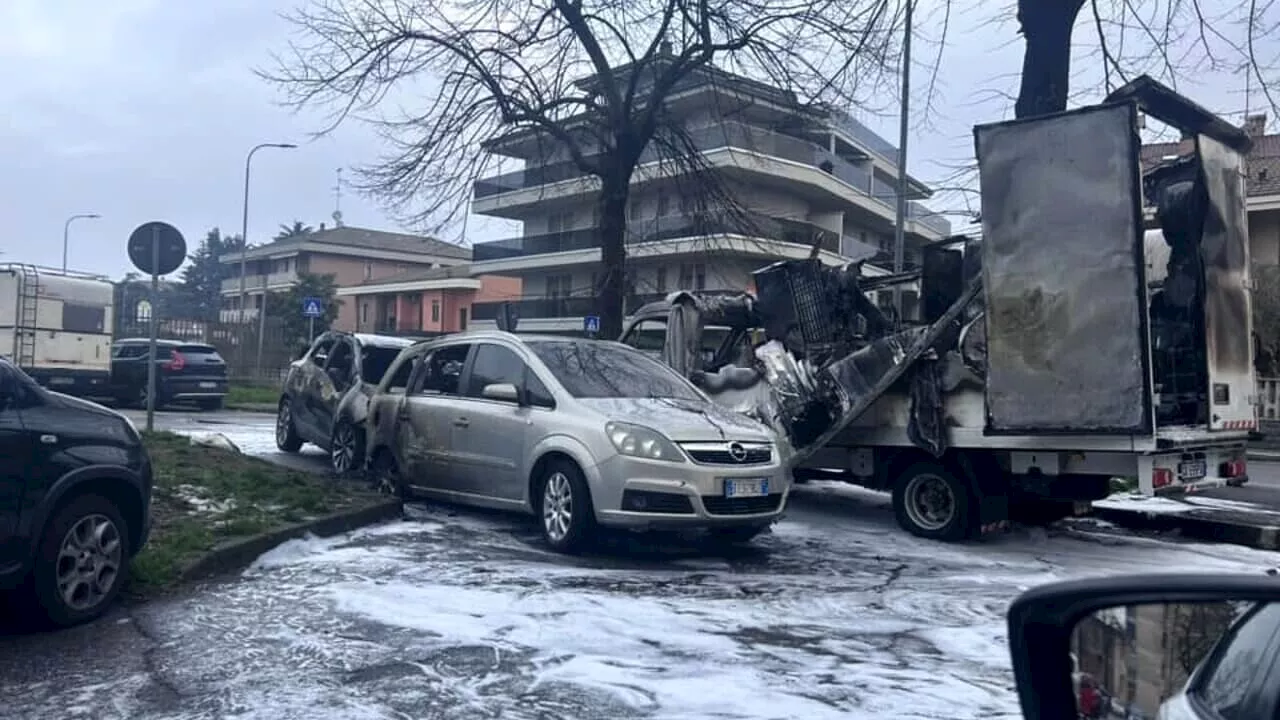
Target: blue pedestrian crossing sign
(591, 324)
(312, 307)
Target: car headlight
(639, 441)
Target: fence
(236, 342)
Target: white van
(57, 326)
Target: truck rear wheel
(929, 501)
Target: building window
(559, 222)
(661, 281)
(559, 286)
(462, 319)
(435, 311)
(633, 209)
(368, 270)
(364, 312)
(693, 277)
(664, 204)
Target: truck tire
(930, 501)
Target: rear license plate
(61, 381)
(1191, 470)
(208, 384)
(752, 487)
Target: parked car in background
(325, 398)
(185, 372)
(581, 433)
(75, 498)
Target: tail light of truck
(176, 362)
(1232, 469)
(1161, 477)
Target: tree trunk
(1046, 64)
(611, 290)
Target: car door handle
(461, 422)
(49, 439)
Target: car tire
(737, 535)
(384, 475)
(210, 404)
(929, 501)
(346, 448)
(82, 561)
(564, 508)
(287, 438)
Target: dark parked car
(325, 399)
(185, 372)
(75, 498)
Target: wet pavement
(464, 614)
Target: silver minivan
(582, 433)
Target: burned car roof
(387, 341)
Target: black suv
(75, 498)
(186, 372)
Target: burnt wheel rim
(89, 561)
(284, 419)
(929, 501)
(386, 481)
(344, 448)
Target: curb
(1261, 537)
(238, 554)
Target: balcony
(738, 136)
(884, 259)
(255, 283)
(557, 307)
(668, 227)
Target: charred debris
(819, 352)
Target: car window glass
(320, 354)
(647, 336)
(444, 370)
(494, 364)
(539, 395)
(375, 361)
(342, 357)
(1229, 686)
(588, 369)
(163, 352)
(401, 374)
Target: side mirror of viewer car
(1148, 646)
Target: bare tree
(587, 80)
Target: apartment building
(1262, 167)
(423, 302)
(351, 255)
(799, 177)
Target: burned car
(325, 398)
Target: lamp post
(66, 232)
(244, 239)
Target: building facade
(798, 177)
(351, 255)
(421, 302)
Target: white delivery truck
(1075, 342)
(57, 327)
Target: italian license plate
(61, 381)
(747, 487)
(208, 385)
(1191, 470)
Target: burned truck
(1100, 328)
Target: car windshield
(374, 362)
(602, 370)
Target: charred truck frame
(1070, 345)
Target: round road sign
(173, 248)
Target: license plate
(208, 385)
(753, 487)
(1191, 470)
(61, 381)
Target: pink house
(427, 302)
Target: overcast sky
(141, 110)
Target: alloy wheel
(557, 506)
(343, 454)
(89, 561)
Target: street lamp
(66, 231)
(244, 239)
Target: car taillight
(177, 362)
(1161, 477)
(1232, 469)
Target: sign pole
(311, 329)
(155, 321)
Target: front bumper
(639, 494)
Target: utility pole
(66, 233)
(900, 224)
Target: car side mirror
(504, 392)
(1135, 645)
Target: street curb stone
(253, 407)
(238, 554)
(1260, 536)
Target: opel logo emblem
(737, 452)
